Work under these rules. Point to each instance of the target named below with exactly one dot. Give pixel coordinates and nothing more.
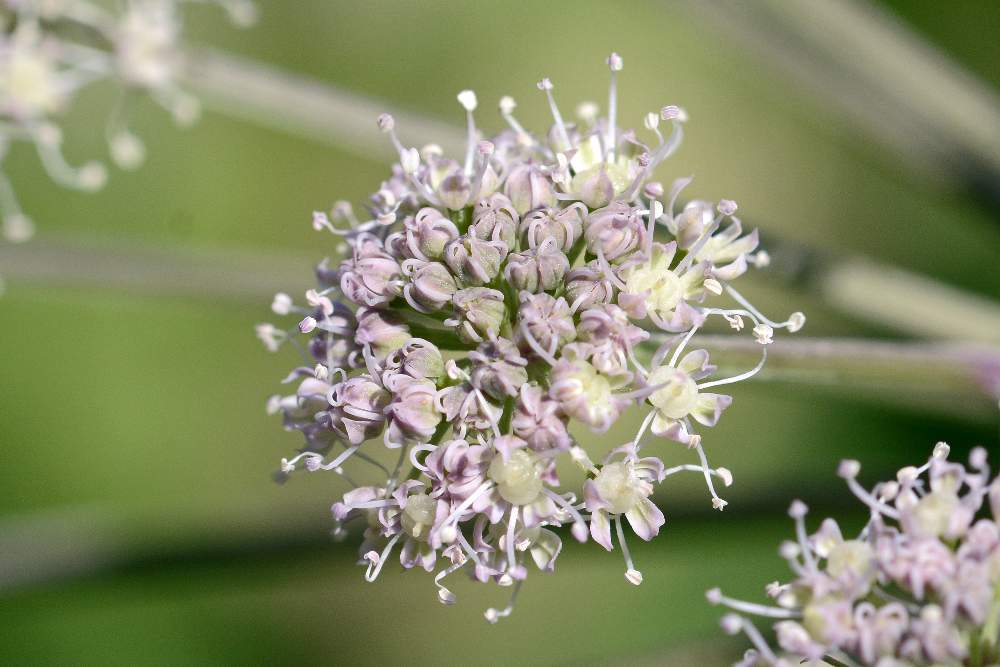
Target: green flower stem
(948, 377)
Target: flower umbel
(487, 302)
(919, 586)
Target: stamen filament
(742, 376)
(374, 568)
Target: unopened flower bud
(414, 416)
(371, 277)
(539, 421)
(564, 226)
(547, 320)
(383, 331)
(418, 359)
(479, 311)
(307, 324)
(594, 187)
(538, 270)
(498, 369)
(588, 286)
(454, 191)
(528, 188)
(495, 219)
(427, 233)
(474, 261)
(614, 231)
(357, 409)
(431, 284)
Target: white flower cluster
(50, 50)
(487, 302)
(918, 587)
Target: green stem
(830, 660)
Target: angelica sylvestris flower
(484, 303)
(918, 586)
(51, 49)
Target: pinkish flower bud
(547, 320)
(413, 412)
(381, 330)
(454, 191)
(371, 277)
(473, 261)
(538, 270)
(462, 407)
(460, 467)
(495, 219)
(614, 231)
(588, 286)
(539, 421)
(565, 226)
(431, 285)
(609, 331)
(357, 411)
(594, 187)
(528, 188)
(426, 234)
(418, 359)
(479, 312)
(498, 369)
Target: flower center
(679, 394)
(932, 514)
(620, 487)
(31, 83)
(519, 478)
(418, 516)
(853, 558)
(663, 285)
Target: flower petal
(600, 529)
(709, 408)
(645, 519)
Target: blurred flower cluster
(50, 50)
(484, 304)
(920, 585)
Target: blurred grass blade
(958, 379)
(305, 107)
(865, 63)
(909, 302)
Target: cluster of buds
(919, 586)
(486, 303)
(50, 50)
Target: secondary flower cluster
(487, 302)
(920, 585)
(52, 49)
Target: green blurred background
(138, 519)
